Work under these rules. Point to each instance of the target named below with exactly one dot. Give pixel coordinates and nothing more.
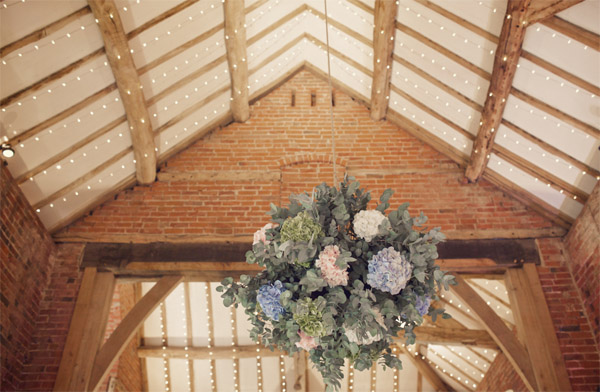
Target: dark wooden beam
(540, 10)
(506, 59)
(383, 49)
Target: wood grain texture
(540, 10)
(463, 337)
(121, 62)
(235, 42)
(383, 49)
(506, 59)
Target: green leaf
(386, 195)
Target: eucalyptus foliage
(330, 315)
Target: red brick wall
(583, 246)
(25, 262)
(501, 376)
(54, 318)
(278, 134)
(130, 365)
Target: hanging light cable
(330, 96)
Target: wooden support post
(427, 371)
(117, 341)
(535, 326)
(300, 372)
(85, 331)
(130, 88)
(506, 59)
(383, 49)
(504, 337)
(235, 42)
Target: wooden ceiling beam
(541, 10)
(452, 368)
(224, 352)
(383, 50)
(575, 32)
(454, 337)
(427, 371)
(320, 44)
(277, 53)
(506, 59)
(130, 88)
(341, 27)
(156, 20)
(44, 31)
(235, 43)
(504, 337)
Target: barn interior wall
(223, 184)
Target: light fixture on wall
(7, 151)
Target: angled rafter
(506, 340)
(505, 65)
(577, 33)
(452, 368)
(235, 42)
(156, 20)
(427, 371)
(540, 10)
(121, 62)
(383, 49)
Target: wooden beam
(506, 59)
(427, 371)
(300, 372)
(235, 42)
(130, 88)
(383, 49)
(156, 20)
(213, 353)
(459, 376)
(584, 36)
(44, 31)
(85, 331)
(341, 27)
(320, 44)
(535, 324)
(121, 336)
(540, 10)
(504, 338)
(454, 337)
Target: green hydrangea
(309, 317)
(301, 228)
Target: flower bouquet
(340, 281)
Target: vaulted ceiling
(94, 96)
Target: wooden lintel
(502, 335)
(540, 10)
(112, 348)
(535, 326)
(130, 88)
(235, 42)
(427, 371)
(506, 59)
(224, 352)
(454, 336)
(383, 49)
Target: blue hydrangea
(389, 271)
(422, 304)
(268, 298)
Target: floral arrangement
(340, 281)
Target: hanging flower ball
(306, 342)
(366, 224)
(422, 304)
(301, 228)
(333, 275)
(360, 337)
(389, 271)
(268, 298)
(261, 235)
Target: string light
(209, 325)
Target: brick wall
(281, 148)
(583, 246)
(501, 376)
(25, 265)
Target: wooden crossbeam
(383, 49)
(534, 323)
(128, 82)
(504, 337)
(506, 59)
(540, 10)
(454, 336)
(118, 340)
(427, 371)
(223, 352)
(235, 42)
(584, 36)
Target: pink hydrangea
(333, 275)
(306, 342)
(261, 235)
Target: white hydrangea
(366, 224)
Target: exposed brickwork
(52, 323)
(501, 376)
(25, 265)
(583, 245)
(130, 366)
(278, 135)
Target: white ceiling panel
(135, 13)
(486, 14)
(584, 14)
